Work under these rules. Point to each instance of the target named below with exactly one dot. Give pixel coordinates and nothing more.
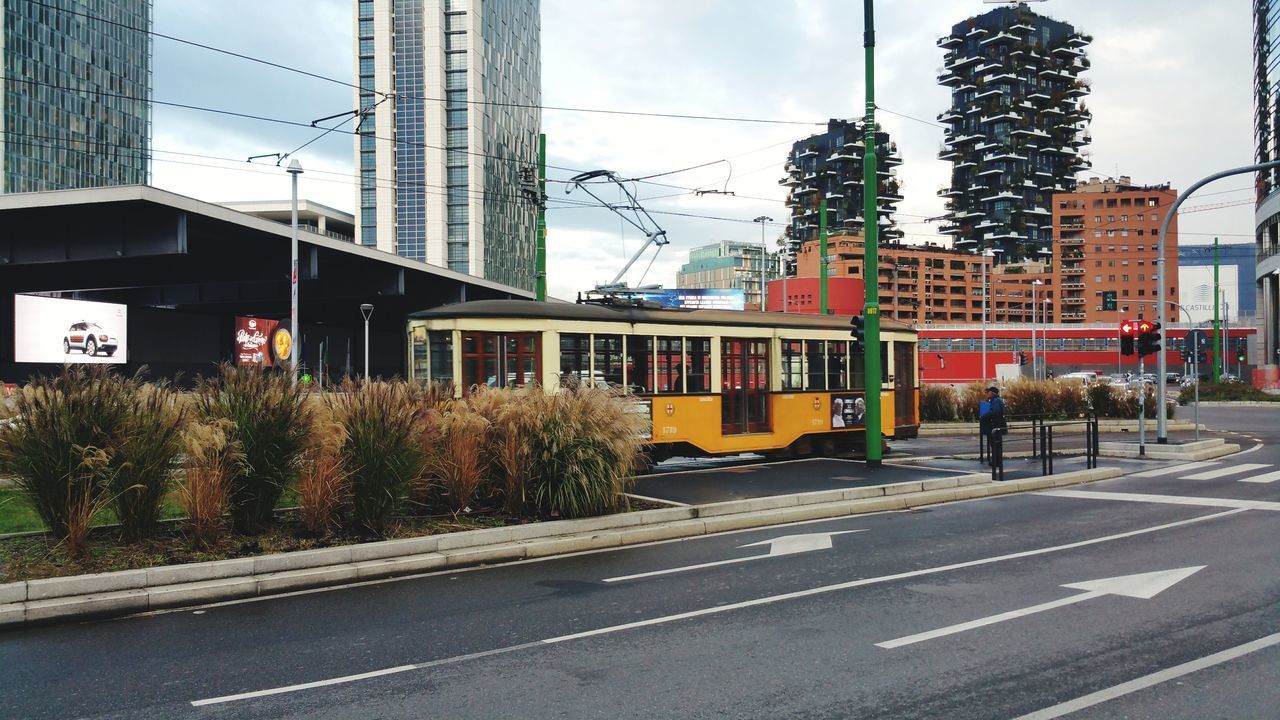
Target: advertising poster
(262, 342)
(699, 298)
(54, 330)
(848, 410)
(1195, 292)
(253, 341)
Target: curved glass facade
(77, 88)
(1266, 120)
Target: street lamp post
(764, 253)
(295, 346)
(367, 311)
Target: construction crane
(639, 218)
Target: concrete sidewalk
(134, 591)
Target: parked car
(89, 338)
(1229, 378)
(1085, 376)
(1173, 378)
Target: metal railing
(1039, 431)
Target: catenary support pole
(295, 334)
(541, 289)
(1217, 332)
(823, 270)
(1162, 430)
(871, 232)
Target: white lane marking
(1255, 447)
(1154, 678)
(1165, 499)
(1174, 469)
(786, 545)
(1142, 585)
(772, 599)
(660, 501)
(1228, 470)
(303, 686)
(1267, 478)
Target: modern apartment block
(1015, 129)
(76, 94)
(829, 166)
(1108, 234)
(934, 285)
(728, 265)
(1266, 215)
(449, 92)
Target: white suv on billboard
(90, 339)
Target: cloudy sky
(1171, 99)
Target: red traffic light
(1145, 326)
(1128, 327)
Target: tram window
(640, 363)
(698, 365)
(815, 361)
(522, 359)
(608, 359)
(669, 377)
(792, 366)
(575, 359)
(857, 371)
(441, 351)
(838, 365)
(418, 345)
(479, 359)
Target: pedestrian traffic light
(1128, 329)
(858, 331)
(1022, 358)
(1148, 337)
(1109, 300)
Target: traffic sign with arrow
(1143, 585)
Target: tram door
(744, 386)
(904, 386)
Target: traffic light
(1240, 356)
(1148, 337)
(1109, 300)
(858, 331)
(1022, 358)
(1127, 331)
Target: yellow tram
(712, 381)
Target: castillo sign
(262, 342)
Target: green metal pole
(541, 289)
(1217, 338)
(822, 257)
(871, 231)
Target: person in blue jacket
(991, 418)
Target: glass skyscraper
(450, 93)
(1266, 119)
(76, 80)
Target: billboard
(54, 330)
(699, 298)
(262, 342)
(1195, 292)
(848, 410)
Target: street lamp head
(295, 168)
(366, 310)
(763, 219)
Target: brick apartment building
(933, 285)
(1107, 240)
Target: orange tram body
(712, 382)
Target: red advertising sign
(253, 341)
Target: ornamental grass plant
(147, 457)
(54, 443)
(270, 424)
(586, 442)
(324, 486)
(211, 458)
(382, 425)
(937, 403)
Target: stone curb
(1207, 449)
(132, 591)
(1236, 403)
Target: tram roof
(593, 312)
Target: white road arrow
(1142, 585)
(785, 545)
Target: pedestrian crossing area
(1213, 470)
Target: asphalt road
(982, 609)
